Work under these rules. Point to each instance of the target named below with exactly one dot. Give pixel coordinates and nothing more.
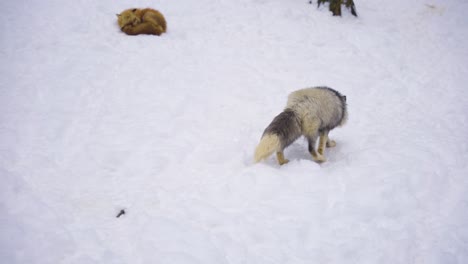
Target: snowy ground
(93, 121)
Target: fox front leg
(325, 141)
(316, 156)
(322, 141)
(281, 159)
(331, 143)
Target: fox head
(128, 17)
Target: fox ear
(134, 10)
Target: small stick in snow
(122, 212)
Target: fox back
(322, 103)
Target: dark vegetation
(335, 6)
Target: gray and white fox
(311, 112)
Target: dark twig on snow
(122, 212)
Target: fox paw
(319, 158)
(283, 162)
(331, 143)
(126, 27)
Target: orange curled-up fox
(137, 21)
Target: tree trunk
(335, 6)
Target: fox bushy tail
(268, 144)
(281, 132)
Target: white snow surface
(93, 121)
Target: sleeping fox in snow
(311, 112)
(136, 21)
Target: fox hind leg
(281, 159)
(157, 29)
